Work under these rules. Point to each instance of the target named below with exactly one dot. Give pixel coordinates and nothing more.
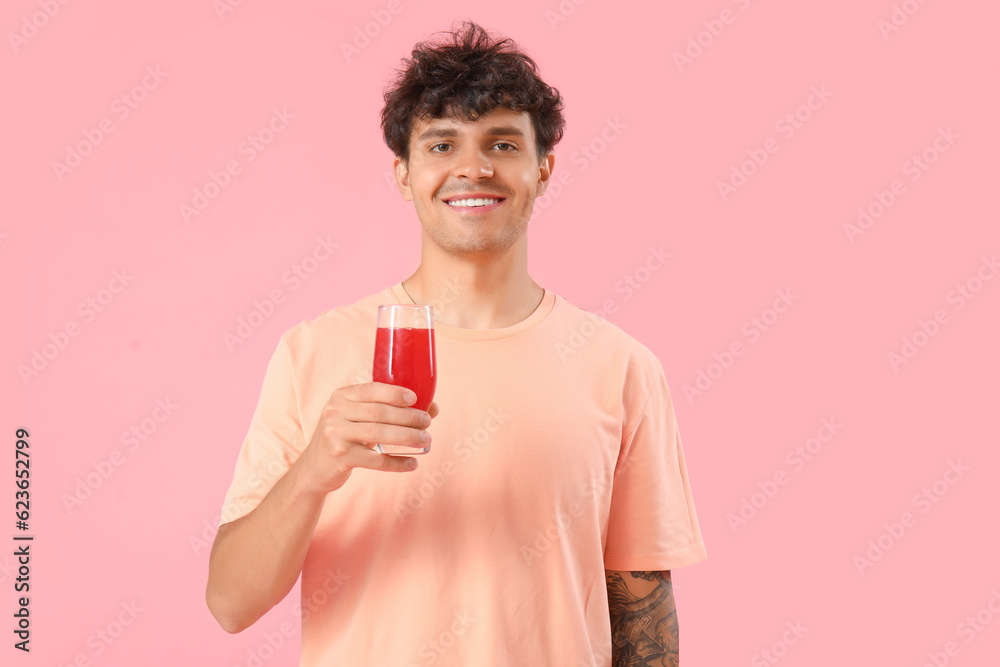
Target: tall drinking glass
(404, 356)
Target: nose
(474, 164)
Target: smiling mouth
(474, 203)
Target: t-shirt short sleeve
(273, 442)
(652, 523)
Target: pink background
(135, 539)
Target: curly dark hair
(465, 78)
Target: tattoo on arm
(643, 619)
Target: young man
(542, 525)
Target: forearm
(257, 558)
(643, 619)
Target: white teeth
(472, 202)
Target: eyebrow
(450, 132)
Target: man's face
(491, 158)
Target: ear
(545, 173)
(402, 174)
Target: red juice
(404, 356)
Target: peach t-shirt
(555, 457)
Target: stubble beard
(497, 244)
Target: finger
(380, 413)
(381, 392)
(364, 457)
(433, 409)
(370, 433)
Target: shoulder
(340, 325)
(584, 329)
(589, 338)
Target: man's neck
(470, 296)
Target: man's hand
(356, 418)
(257, 558)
